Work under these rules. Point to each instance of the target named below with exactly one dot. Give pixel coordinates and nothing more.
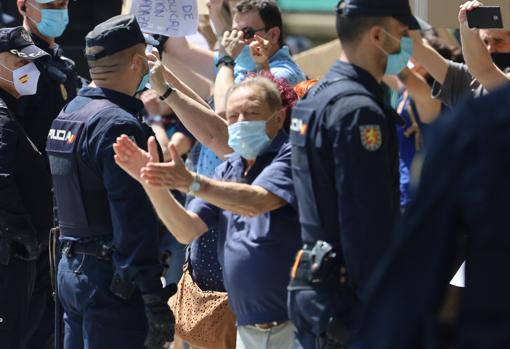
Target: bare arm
(477, 57)
(242, 199)
(430, 59)
(197, 83)
(428, 107)
(195, 58)
(184, 225)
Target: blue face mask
(145, 80)
(249, 138)
(244, 60)
(398, 61)
(53, 21)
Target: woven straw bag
(202, 318)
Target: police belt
(99, 249)
(318, 266)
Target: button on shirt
(257, 251)
(135, 225)
(281, 66)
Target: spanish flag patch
(23, 79)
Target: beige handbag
(202, 318)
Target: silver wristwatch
(194, 187)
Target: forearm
(224, 80)
(479, 60)
(428, 107)
(205, 125)
(181, 142)
(430, 59)
(184, 225)
(220, 22)
(239, 198)
(196, 58)
(187, 80)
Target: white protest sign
(166, 17)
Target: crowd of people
(202, 192)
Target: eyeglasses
(249, 32)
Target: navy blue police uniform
(58, 85)
(345, 170)
(25, 204)
(109, 274)
(462, 189)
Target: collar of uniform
(360, 75)
(12, 103)
(129, 103)
(53, 50)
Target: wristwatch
(227, 60)
(195, 185)
(169, 89)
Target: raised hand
(260, 49)
(158, 82)
(232, 43)
(169, 175)
(130, 157)
(465, 8)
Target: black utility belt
(100, 250)
(319, 265)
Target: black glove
(160, 319)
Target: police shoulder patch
(371, 137)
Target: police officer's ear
(137, 63)
(376, 35)
(22, 7)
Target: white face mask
(24, 79)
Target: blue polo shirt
(256, 253)
(281, 65)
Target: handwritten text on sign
(166, 17)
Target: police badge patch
(371, 137)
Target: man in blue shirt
(250, 17)
(109, 274)
(250, 201)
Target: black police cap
(18, 42)
(398, 9)
(116, 34)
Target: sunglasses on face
(249, 32)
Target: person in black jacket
(25, 187)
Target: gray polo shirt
(458, 84)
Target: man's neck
(34, 31)
(362, 60)
(114, 86)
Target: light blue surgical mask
(398, 61)
(53, 21)
(244, 60)
(145, 80)
(249, 138)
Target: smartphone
(485, 17)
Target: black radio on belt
(319, 265)
(122, 288)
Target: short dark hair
(268, 10)
(350, 28)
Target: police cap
(18, 42)
(116, 34)
(398, 9)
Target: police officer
(45, 20)
(109, 275)
(345, 169)
(25, 187)
(463, 188)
